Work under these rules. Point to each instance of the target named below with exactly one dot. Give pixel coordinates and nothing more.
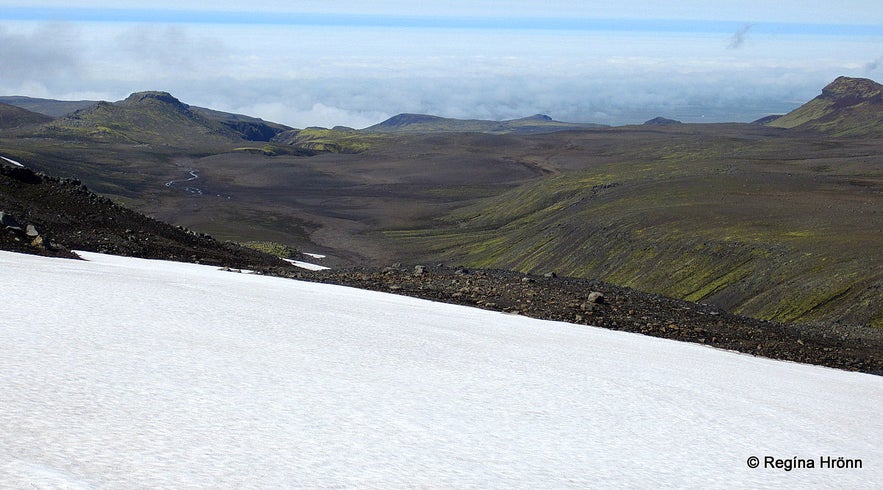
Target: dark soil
(67, 216)
(70, 217)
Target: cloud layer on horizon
(360, 76)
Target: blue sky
(356, 63)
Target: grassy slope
(701, 219)
(329, 140)
(12, 117)
(113, 124)
(846, 107)
(821, 114)
(420, 123)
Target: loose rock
(9, 221)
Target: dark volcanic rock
(9, 220)
(66, 216)
(149, 97)
(853, 89)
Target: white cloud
(318, 114)
(41, 58)
(359, 76)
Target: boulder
(9, 221)
(596, 297)
(31, 231)
(40, 242)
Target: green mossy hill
(846, 107)
(336, 140)
(786, 242)
(422, 123)
(158, 118)
(13, 117)
(154, 118)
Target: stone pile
(27, 233)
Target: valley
(776, 223)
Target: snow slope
(17, 164)
(129, 373)
(306, 265)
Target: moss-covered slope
(158, 118)
(846, 107)
(13, 117)
(787, 240)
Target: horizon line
(170, 16)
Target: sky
(356, 63)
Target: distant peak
(853, 87)
(538, 117)
(406, 119)
(661, 121)
(142, 97)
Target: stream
(194, 174)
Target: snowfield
(17, 164)
(128, 373)
(306, 265)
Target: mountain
(422, 123)
(774, 224)
(49, 107)
(13, 117)
(661, 121)
(846, 107)
(158, 118)
(249, 128)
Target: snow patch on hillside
(17, 164)
(120, 373)
(306, 265)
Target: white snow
(128, 373)
(17, 164)
(306, 265)
(315, 256)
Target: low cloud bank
(291, 77)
